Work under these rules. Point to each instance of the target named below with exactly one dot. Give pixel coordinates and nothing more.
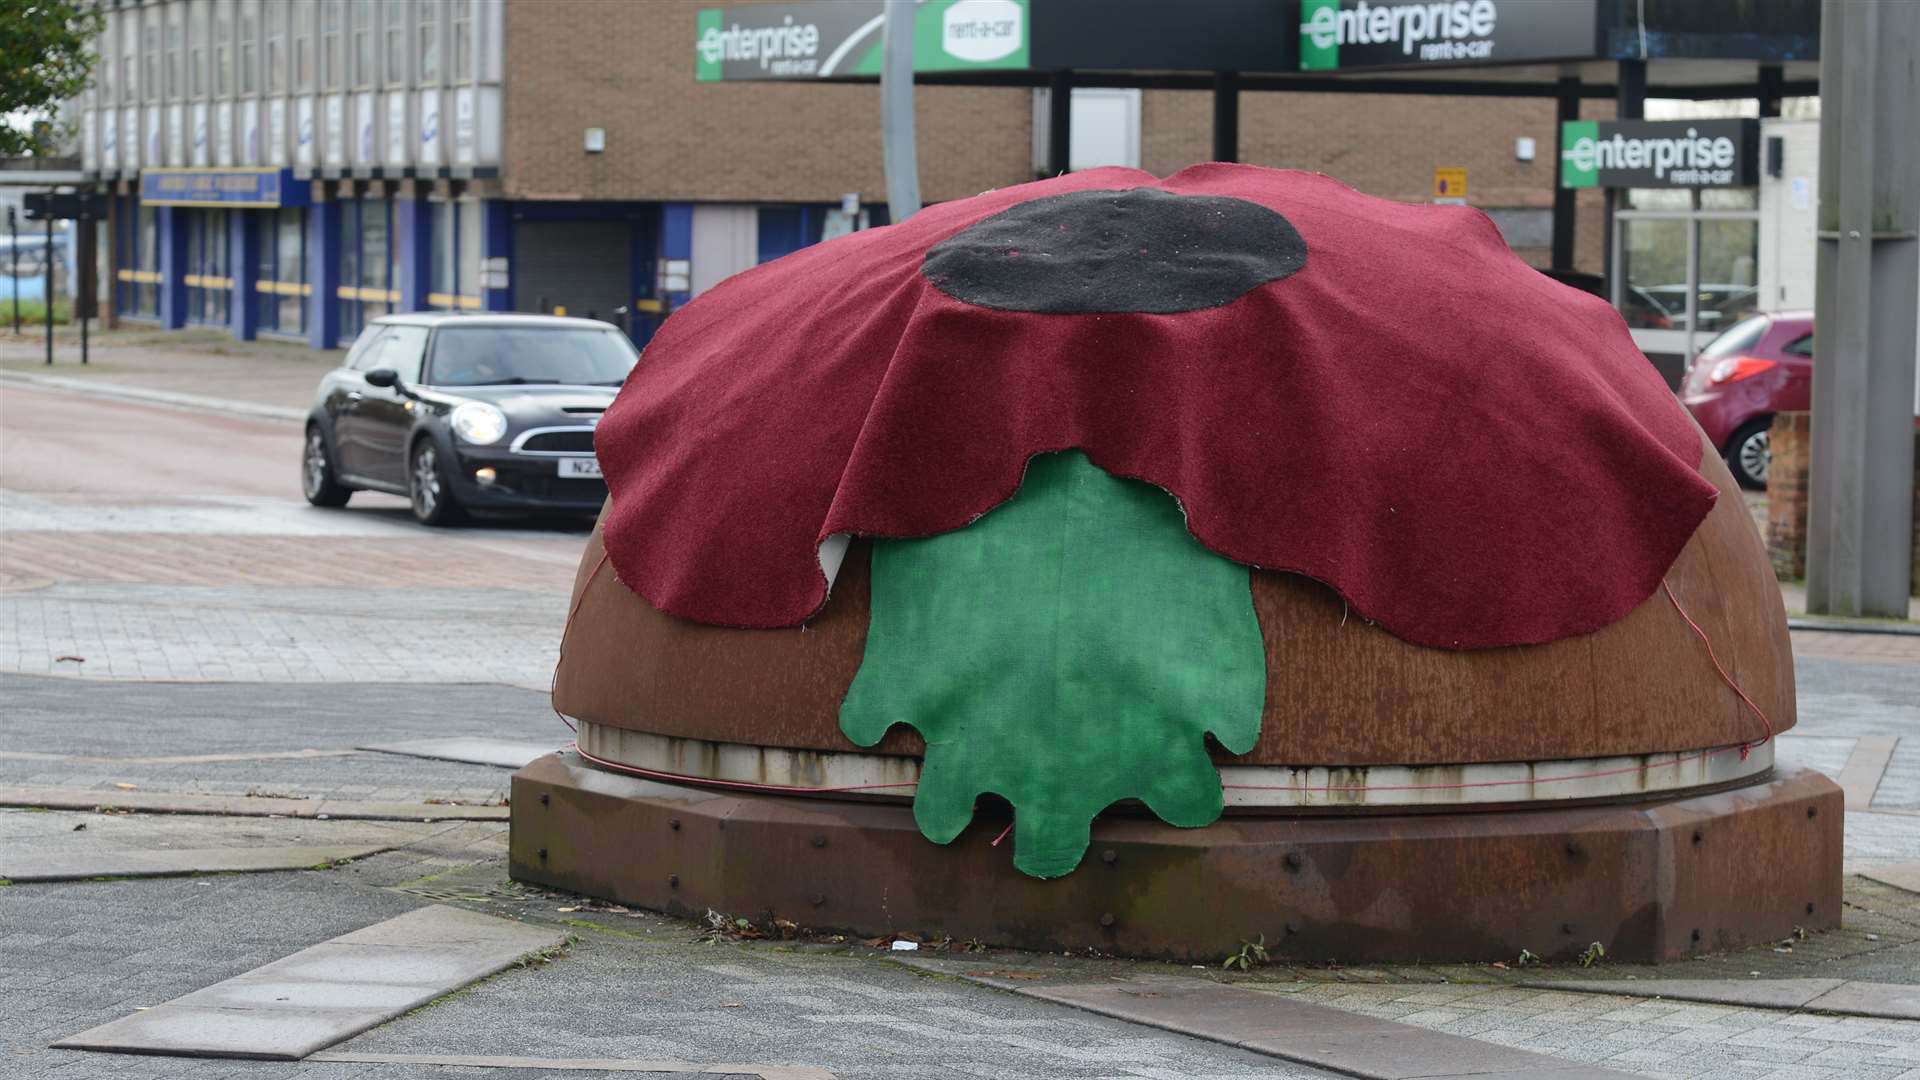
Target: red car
(1762, 365)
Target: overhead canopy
(1299, 44)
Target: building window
(130, 56)
(301, 28)
(176, 51)
(396, 32)
(429, 41)
(455, 243)
(197, 49)
(106, 63)
(208, 283)
(330, 74)
(362, 43)
(366, 263)
(138, 291)
(276, 48)
(222, 51)
(462, 28)
(281, 289)
(250, 47)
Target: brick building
(295, 167)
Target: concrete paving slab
(1899, 875)
(1864, 768)
(1885, 1001)
(155, 802)
(43, 865)
(477, 750)
(615, 1065)
(321, 995)
(1758, 993)
(1299, 1031)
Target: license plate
(580, 467)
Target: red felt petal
(1470, 453)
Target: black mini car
(467, 412)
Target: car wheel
(1750, 453)
(317, 480)
(429, 492)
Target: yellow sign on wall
(1449, 184)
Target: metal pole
(1565, 209)
(13, 238)
(1226, 116)
(86, 242)
(1630, 103)
(49, 269)
(896, 112)
(1060, 123)
(1866, 311)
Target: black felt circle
(1139, 250)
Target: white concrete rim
(889, 776)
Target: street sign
(65, 205)
(1449, 185)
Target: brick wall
(574, 64)
(1787, 497)
(1790, 440)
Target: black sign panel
(65, 205)
(1340, 35)
(1659, 153)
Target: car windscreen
(1739, 337)
(497, 355)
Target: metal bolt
(1292, 929)
(1292, 860)
(1699, 837)
(1566, 928)
(1573, 848)
(1106, 919)
(819, 840)
(1809, 907)
(543, 854)
(1109, 856)
(1812, 812)
(817, 899)
(1696, 935)
(673, 881)
(545, 799)
(673, 823)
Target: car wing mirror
(384, 377)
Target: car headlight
(479, 423)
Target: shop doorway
(1687, 267)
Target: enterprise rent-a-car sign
(1339, 34)
(829, 38)
(1659, 153)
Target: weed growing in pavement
(1251, 954)
(1595, 953)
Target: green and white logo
(1580, 154)
(1319, 35)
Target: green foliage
(1252, 954)
(33, 312)
(1595, 953)
(1526, 957)
(48, 59)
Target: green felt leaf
(1066, 651)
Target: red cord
(1003, 835)
(1724, 677)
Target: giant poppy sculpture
(1085, 493)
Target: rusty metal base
(1650, 881)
